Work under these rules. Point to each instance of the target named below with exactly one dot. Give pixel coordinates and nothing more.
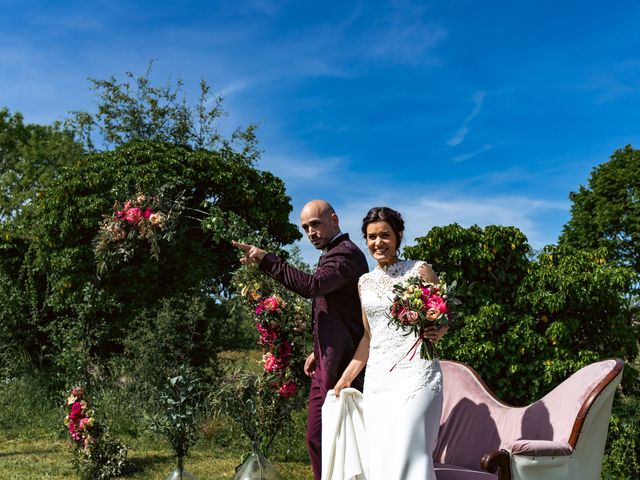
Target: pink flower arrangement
(137, 219)
(277, 324)
(80, 421)
(86, 434)
(133, 213)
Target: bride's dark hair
(384, 214)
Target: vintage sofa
(561, 436)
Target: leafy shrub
(180, 408)
(106, 460)
(622, 456)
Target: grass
(34, 443)
(47, 459)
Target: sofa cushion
(454, 472)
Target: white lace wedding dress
(402, 406)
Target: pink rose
(411, 317)
(288, 389)
(437, 302)
(408, 317)
(76, 412)
(271, 304)
(83, 423)
(147, 213)
(268, 334)
(271, 362)
(133, 215)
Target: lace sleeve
(415, 270)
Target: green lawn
(34, 444)
(41, 459)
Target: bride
(402, 397)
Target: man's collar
(333, 242)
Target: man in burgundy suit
(336, 315)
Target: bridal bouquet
(417, 305)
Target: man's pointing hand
(252, 254)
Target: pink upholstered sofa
(561, 436)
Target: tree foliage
(135, 109)
(55, 305)
(30, 157)
(530, 321)
(606, 213)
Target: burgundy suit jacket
(336, 311)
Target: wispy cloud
(348, 45)
(405, 34)
(268, 7)
(406, 41)
(458, 138)
(467, 156)
(615, 81)
(296, 168)
(234, 86)
(423, 213)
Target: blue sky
(468, 111)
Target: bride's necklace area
(385, 277)
(391, 267)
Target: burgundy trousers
(317, 394)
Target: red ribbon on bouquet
(414, 347)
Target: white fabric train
(344, 440)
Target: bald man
(336, 315)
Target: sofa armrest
(497, 462)
(539, 448)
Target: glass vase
(256, 467)
(179, 473)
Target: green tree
(606, 213)
(30, 157)
(530, 322)
(59, 308)
(137, 110)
